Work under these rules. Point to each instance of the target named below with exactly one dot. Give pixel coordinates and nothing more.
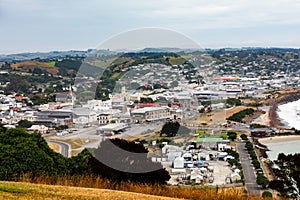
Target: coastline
(274, 119)
(279, 144)
(279, 139)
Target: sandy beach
(278, 139)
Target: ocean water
(290, 114)
(289, 147)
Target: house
(63, 97)
(171, 156)
(234, 177)
(178, 163)
(223, 147)
(183, 101)
(39, 128)
(196, 177)
(104, 118)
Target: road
(248, 170)
(64, 148)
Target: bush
(233, 153)
(258, 126)
(267, 194)
(256, 163)
(244, 137)
(262, 180)
(233, 162)
(24, 124)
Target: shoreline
(274, 119)
(279, 139)
(289, 115)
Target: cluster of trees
(236, 162)
(238, 117)
(258, 126)
(127, 161)
(61, 127)
(146, 100)
(38, 100)
(17, 84)
(288, 175)
(236, 159)
(24, 153)
(230, 101)
(260, 178)
(24, 124)
(252, 154)
(70, 66)
(21, 153)
(170, 129)
(234, 102)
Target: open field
(51, 63)
(87, 187)
(220, 116)
(16, 190)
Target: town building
(149, 114)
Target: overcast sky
(46, 25)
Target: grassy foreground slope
(29, 191)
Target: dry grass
(54, 147)
(220, 116)
(14, 190)
(204, 193)
(26, 65)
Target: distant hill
(64, 67)
(30, 66)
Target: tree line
(24, 153)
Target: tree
(288, 174)
(121, 160)
(244, 137)
(232, 135)
(267, 194)
(256, 163)
(170, 129)
(21, 152)
(277, 185)
(233, 162)
(262, 180)
(17, 84)
(24, 123)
